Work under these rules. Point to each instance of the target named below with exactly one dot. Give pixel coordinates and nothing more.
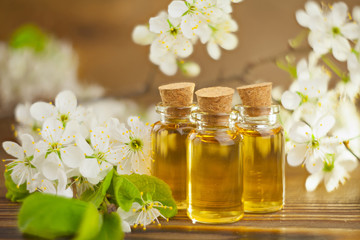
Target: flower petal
(213, 50)
(341, 48)
(296, 155)
(229, 41)
(84, 146)
(72, 156)
(66, 102)
(313, 181)
(142, 36)
(323, 126)
(177, 9)
(159, 24)
(290, 100)
(338, 14)
(41, 111)
(13, 149)
(300, 132)
(52, 130)
(351, 31)
(28, 144)
(89, 168)
(50, 167)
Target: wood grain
(315, 215)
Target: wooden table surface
(316, 215)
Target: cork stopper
(215, 99)
(257, 96)
(177, 94)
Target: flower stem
(333, 67)
(346, 144)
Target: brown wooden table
(316, 215)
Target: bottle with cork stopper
(215, 177)
(169, 137)
(262, 149)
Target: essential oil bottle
(215, 176)
(262, 149)
(169, 137)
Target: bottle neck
(174, 114)
(258, 117)
(215, 122)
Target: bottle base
(215, 217)
(262, 207)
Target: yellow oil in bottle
(262, 152)
(215, 179)
(169, 157)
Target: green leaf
(125, 192)
(50, 216)
(29, 36)
(14, 193)
(90, 225)
(154, 189)
(111, 228)
(97, 197)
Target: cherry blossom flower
(222, 36)
(99, 155)
(334, 171)
(141, 214)
(329, 30)
(310, 144)
(135, 149)
(57, 147)
(65, 109)
(170, 44)
(23, 166)
(311, 85)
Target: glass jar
(263, 156)
(215, 177)
(168, 137)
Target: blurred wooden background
(100, 31)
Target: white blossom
(99, 155)
(134, 145)
(330, 30)
(22, 167)
(334, 171)
(170, 44)
(310, 144)
(141, 214)
(222, 35)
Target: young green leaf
(90, 225)
(125, 192)
(50, 216)
(97, 196)
(14, 193)
(29, 36)
(156, 190)
(111, 228)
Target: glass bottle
(169, 149)
(263, 156)
(215, 177)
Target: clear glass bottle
(215, 177)
(263, 156)
(169, 149)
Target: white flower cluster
(27, 74)
(65, 146)
(323, 121)
(172, 34)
